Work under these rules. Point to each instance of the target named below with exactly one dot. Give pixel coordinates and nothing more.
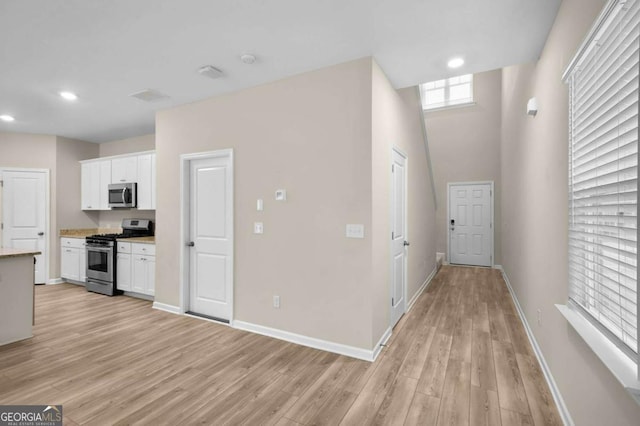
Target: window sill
(447, 107)
(622, 368)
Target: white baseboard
(15, 339)
(167, 308)
(139, 296)
(383, 340)
(325, 345)
(422, 288)
(55, 281)
(555, 391)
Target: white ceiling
(107, 50)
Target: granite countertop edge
(143, 240)
(86, 232)
(9, 252)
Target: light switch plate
(259, 205)
(281, 195)
(355, 230)
(258, 228)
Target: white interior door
(24, 211)
(211, 237)
(470, 223)
(399, 241)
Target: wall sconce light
(532, 107)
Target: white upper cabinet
(153, 181)
(105, 180)
(146, 182)
(95, 180)
(124, 169)
(96, 175)
(90, 191)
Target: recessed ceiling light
(70, 96)
(455, 63)
(7, 118)
(248, 59)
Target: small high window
(448, 92)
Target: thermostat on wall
(281, 195)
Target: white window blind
(448, 92)
(603, 176)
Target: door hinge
(393, 168)
(1, 183)
(392, 235)
(392, 301)
(1, 225)
(491, 192)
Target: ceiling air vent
(209, 71)
(149, 95)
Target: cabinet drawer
(73, 242)
(148, 249)
(124, 247)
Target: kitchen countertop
(10, 252)
(144, 240)
(85, 232)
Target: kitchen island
(16, 294)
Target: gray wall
(311, 134)
(465, 146)
(396, 116)
(534, 219)
(128, 146)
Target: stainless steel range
(101, 255)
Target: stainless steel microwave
(123, 195)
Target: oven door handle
(99, 248)
(124, 191)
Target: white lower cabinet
(73, 259)
(123, 266)
(136, 268)
(144, 274)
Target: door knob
(191, 244)
(406, 243)
(40, 234)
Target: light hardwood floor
(460, 356)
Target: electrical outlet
(258, 228)
(276, 302)
(539, 317)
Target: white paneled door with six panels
(470, 223)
